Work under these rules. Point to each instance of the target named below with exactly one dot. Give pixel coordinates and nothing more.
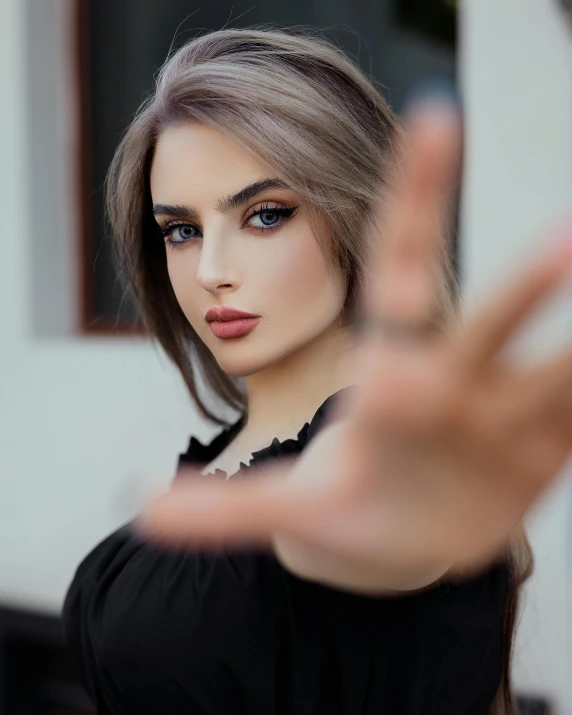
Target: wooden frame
(89, 323)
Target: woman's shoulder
(128, 596)
(118, 548)
(117, 544)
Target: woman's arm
(430, 464)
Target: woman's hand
(432, 460)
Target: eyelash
(284, 212)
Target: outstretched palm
(437, 453)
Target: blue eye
(266, 217)
(176, 234)
(269, 218)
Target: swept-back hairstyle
(301, 108)
(307, 112)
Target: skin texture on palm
(430, 466)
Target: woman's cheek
(185, 287)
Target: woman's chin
(240, 367)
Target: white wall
(84, 420)
(517, 79)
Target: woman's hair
(301, 108)
(304, 110)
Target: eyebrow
(224, 205)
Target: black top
(171, 632)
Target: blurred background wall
(89, 419)
(516, 67)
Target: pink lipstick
(228, 322)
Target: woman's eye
(179, 233)
(268, 218)
(264, 219)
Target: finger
(494, 324)
(406, 263)
(204, 511)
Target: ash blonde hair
(305, 111)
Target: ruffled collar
(275, 450)
(199, 453)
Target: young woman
(365, 554)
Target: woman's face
(246, 248)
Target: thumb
(200, 510)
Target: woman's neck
(286, 395)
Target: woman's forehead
(200, 165)
(204, 145)
(195, 159)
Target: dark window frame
(90, 323)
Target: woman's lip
(233, 328)
(226, 313)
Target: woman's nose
(217, 267)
